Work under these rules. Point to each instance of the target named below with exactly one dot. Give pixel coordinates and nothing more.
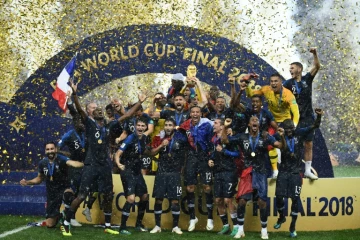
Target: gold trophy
(190, 73)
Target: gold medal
(51, 178)
(292, 154)
(83, 150)
(169, 154)
(99, 141)
(253, 154)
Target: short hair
(170, 120)
(221, 97)
(179, 94)
(276, 75)
(257, 96)
(194, 107)
(297, 64)
(288, 123)
(49, 142)
(252, 117)
(109, 106)
(159, 93)
(222, 120)
(141, 119)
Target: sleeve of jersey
(149, 120)
(63, 158)
(294, 110)
(163, 114)
(270, 117)
(72, 109)
(40, 168)
(232, 153)
(235, 139)
(287, 84)
(63, 140)
(270, 140)
(302, 131)
(126, 143)
(309, 78)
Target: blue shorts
(306, 122)
(260, 185)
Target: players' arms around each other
(40, 177)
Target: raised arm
(316, 64)
(203, 98)
(282, 143)
(77, 103)
(152, 109)
(128, 114)
(294, 108)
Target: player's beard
(51, 155)
(168, 132)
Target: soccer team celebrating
(191, 135)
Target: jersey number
(146, 161)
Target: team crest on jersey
(45, 170)
(240, 115)
(188, 133)
(246, 145)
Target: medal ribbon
(51, 168)
(292, 145)
(139, 146)
(178, 118)
(171, 144)
(253, 145)
(260, 119)
(298, 90)
(194, 133)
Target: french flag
(62, 83)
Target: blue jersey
(291, 154)
(56, 173)
(133, 150)
(224, 160)
(97, 143)
(75, 143)
(171, 157)
(255, 150)
(303, 93)
(129, 124)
